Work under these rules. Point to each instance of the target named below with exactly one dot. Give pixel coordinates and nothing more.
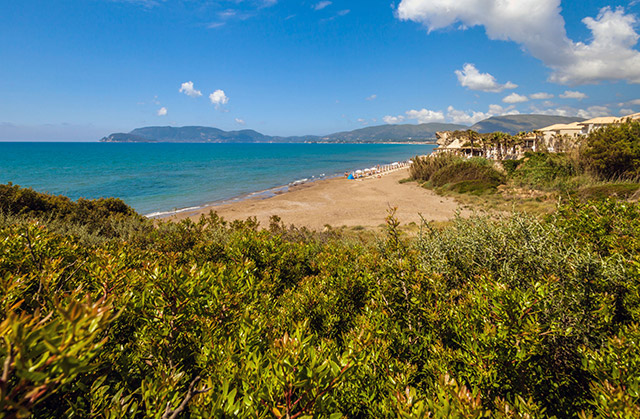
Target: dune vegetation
(606, 164)
(488, 317)
(105, 314)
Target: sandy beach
(341, 202)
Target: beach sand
(340, 202)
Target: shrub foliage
(511, 317)
(614, 151)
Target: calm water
(156, 178)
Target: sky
(78, 70)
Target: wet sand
(340, 202)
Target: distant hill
(382, 133)
(513, 124)
(404, 132)
(187, 135)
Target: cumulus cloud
(634, 102)
(538, 26)
(363, 121)
(393, 119)
(625, 112)
(570, 94)
(162, 111)
(240, 121)
(218, 98)
(594, 112)
(473, 79)
(188, 89)
(321, 5)
(372, 97)
(466, 118)
(497, 110)
(515, 98)
(541, 96)
(424, 116)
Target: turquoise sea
(162, 178)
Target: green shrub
(468, 176)
(424, 167)
(618, 190)
(544, 170)
(614, 151)
(486, 317)
(103, 217)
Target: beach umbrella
(358, 171)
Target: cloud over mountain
(471, 78)
(538, 26)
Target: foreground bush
(104, 217)
(485, 318)
(424, 167)
(453, 173)
(614, 151)
(544, 170)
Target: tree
(614, 151)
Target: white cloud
(453, 115)
(344, 12)
(363, 121)
(240, 121)
(162, 111)
(594, 112)
(625, 112)
(321, 5)
(570, 94)
(538, 26)
(515, 98)
(541, 96)
(465, 118)
(218, 98)
(393, 119)
(187, 89)
(471, 78)
(372, 97)
(634, 102)
(424, 116)
(497, 110)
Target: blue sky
(81, 69)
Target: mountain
(187, 135)
(513, 124)
(404, 132)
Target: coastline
(338, 202)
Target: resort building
(556, 138)
(596, 123)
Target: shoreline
(339, 202)
(268, 193)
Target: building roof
(633, 116)
(558, 127)
(600, 120)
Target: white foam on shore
(161, 214)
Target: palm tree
(498, 139)
(472, 136)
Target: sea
(164, 178)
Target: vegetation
(607, 164)
(451, 173)
(614, 151)
(508, 317)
